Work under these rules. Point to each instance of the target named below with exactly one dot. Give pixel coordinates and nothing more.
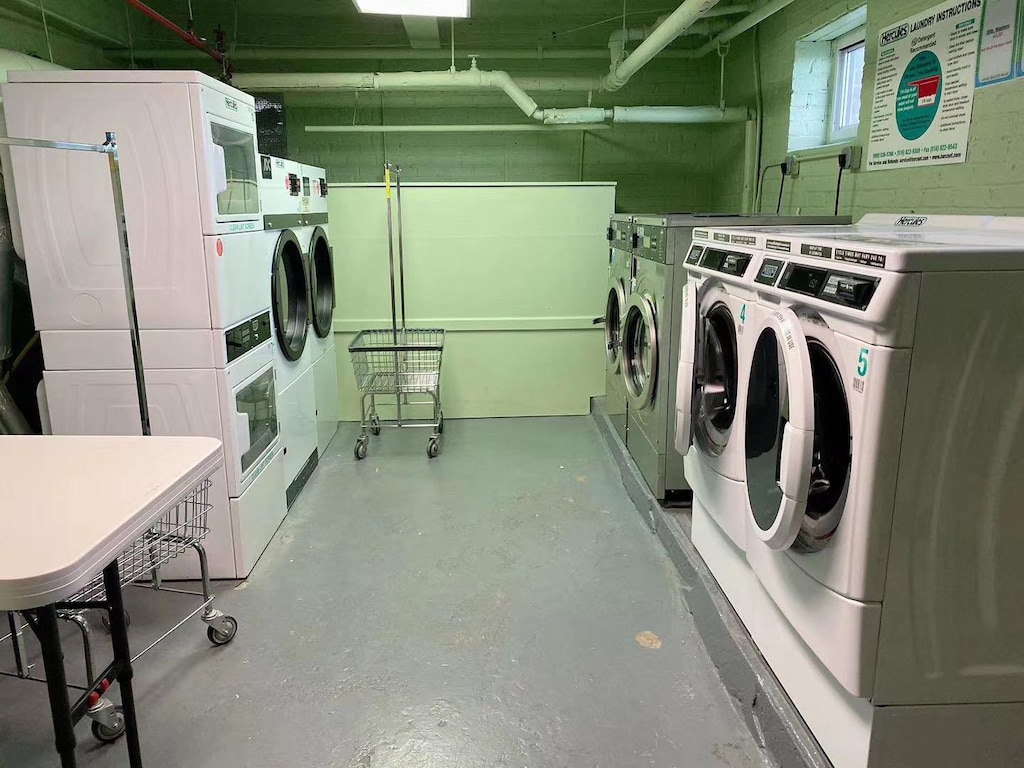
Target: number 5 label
(862, 362)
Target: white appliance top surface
(733, 219)
(71, 505)
(908, 243)
(127, 76)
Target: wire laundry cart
(398, 362)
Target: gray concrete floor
(481, 609)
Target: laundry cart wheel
(105, 619)
(433, 448)
(225, 633)
(110, 734)
(361, 447)
(375, 424)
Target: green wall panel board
(506, 373)
(516, 272)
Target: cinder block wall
(990, 181)
(657, 168)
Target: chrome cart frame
(184, 526)
(398, 362)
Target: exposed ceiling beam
(29, 9)
(423, 32)
(270, 53)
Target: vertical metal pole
(391, 253)
(56, 684)
(129, 284)
(123, 658)
(401, 247)
(18, 644)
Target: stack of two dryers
(302, 311)
(201, 265)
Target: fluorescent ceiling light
(456, 9)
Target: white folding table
(69, 506)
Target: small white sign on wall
(924, 88)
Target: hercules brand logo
(894, 35)
(231, 104)
(911, 221)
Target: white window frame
(840, 45)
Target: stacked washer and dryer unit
(878, 566)
(302, 302)
(202, 278)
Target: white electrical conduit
(511, 128)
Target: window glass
(241, 193)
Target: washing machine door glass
(640, 350)
(614, 308)
(290, 296)
(235, 165)
(256, 416)
(832, 459)
(779, 435)
(321, 283)
(719, 379)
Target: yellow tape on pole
(387, 181)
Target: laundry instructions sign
(924, 88)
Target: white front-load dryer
(883, 488)
(323, 300)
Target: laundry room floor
(501, 605)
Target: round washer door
(321, 283)
(640, 350)
(779, 436)
(719, 377)
(613, 312)
(290, 295)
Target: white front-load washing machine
(289, 297)
(710, 399)
(316, 242)
(883, 460)
(620, 274)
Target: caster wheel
(433, 448)
(105, 620)
(360, 450)
(224, 635)
(440, 425)
(375, 425)
(107, 734)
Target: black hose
(839, 188)
(782, 187)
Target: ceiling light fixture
(455, 9)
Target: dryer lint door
(321, 283)
(779, 436)
(290, 295)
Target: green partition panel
(515, 273)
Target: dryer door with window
(615, 308)
(290, 296)
(640, 350)
(321, 283)
(779, 436)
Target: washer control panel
(828, 285)
(727, 262)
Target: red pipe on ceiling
(185, 35)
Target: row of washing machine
(225, 244)
(643, 313)
(850, 402)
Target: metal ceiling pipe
(680, 115)
(188, 37)
(348, 81)
(746, 23)
(482, 128)
(32, 9)
(678, 21)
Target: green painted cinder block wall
(990, 182)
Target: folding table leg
(56, 684)
(123, 657)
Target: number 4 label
(862, 362)
(743, 314)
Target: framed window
(847, 80)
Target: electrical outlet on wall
(791, 166)
(850, 157)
